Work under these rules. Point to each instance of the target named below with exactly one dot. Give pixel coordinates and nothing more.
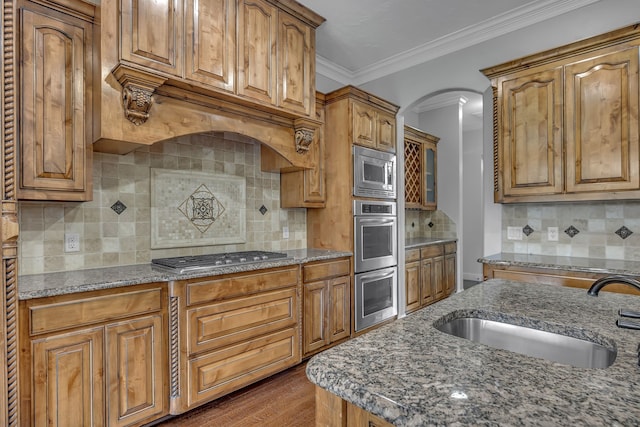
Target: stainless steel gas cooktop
(185, 264)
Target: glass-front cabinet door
(430, 189)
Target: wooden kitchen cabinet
(326, 305)
(430, 274)
(373, 127)
(96, 358)
(566, 122)
(237, 329)
(56, 60)
(420, 160)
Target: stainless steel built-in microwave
(374, 173)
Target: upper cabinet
(566, 122)
(420, 160)
(56, 54)
(373, 127)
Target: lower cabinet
(332, 411)
(230, 331)
(99, 359)
(327, 305)
(430, 274)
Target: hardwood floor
(286, 399)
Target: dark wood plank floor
(284, 400)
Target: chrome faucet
(604, 281)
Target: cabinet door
(601, 123)
(531, 133)
(385, 132)
(257, 38)
(429, 178)
(449, 274)
(427, 278)
(363, 125)
(437, 278)
(68, 379)
(412, 285)
(339, 323)
(294, 65)
(211, 44)
(53, 155)
(151, 34)
(136, 368)
(315, 316)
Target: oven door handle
(377, 221)
(377, 274)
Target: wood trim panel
(339, 322)
(411, 255)
(200, 291)
(315, 316)
(325, 270)
(72, 313)
(431, 251)
(331, 411)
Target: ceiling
(363, 40)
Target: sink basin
(531, 342)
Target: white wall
(446, 123)
(472, 199)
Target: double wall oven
(375, 225)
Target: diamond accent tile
(431, 224)
(624, 232)
(201, 208)
(263, 210)
(527, 230)
(571, 231)
(118, 207)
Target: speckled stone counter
(425, 241)
(411, 374)
(50, 284)
(586, 265)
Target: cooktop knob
(218, 262)
(265, 257)
(242, 259)
(256, 258)
(228, 261)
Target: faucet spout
(604, 281)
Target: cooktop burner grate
(185, 264)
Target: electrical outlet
(285, 232)
(514, 233)
(71, 242)
(552, 234)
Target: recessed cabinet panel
(532, 134)
(151, 34)
(53, 153)
(602, 134)
(386, 128)
(257, 37)
(295, 64)
(211, 49)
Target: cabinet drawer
(449, 248)
(431, 251)
(412, 255)
(325, 270)
(228, 322)
(218, 373)
(202, 291)
(80, 312)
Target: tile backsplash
(605, 230)
(115, 228)
(418, 223)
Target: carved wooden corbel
(137, 92)
(304, 133)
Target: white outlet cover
(552, 234)
(72, 242)
(285, 232)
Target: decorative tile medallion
(118, 207)
(527, 230)
(201, 208)
(571, 231)
(431, 224)
(263, 209)
(196, 209)
(624, 232)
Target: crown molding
(440, 101)
(499, 25)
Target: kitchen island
(410, 374)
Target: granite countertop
(51, 284)
(586, 265)
(411, 374)
(425, 241)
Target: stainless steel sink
(531, 342)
